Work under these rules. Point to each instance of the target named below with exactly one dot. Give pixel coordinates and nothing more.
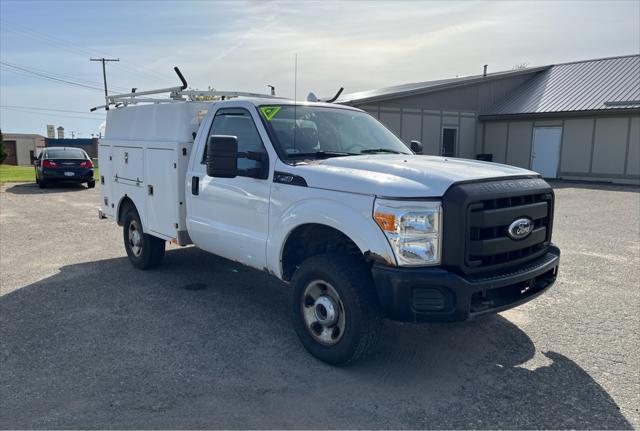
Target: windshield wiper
(379, 150)
(319, 155)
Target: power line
(76, 80)
(50, 109)
(27, 111)
(71, 47)
(45, 76)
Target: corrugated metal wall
(605, 148)
(422, 117)
(425, 125)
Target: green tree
(3, 150)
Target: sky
(246, 45)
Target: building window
(449, 142)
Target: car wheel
(42, 184)
(145, 251)
(91, 184)
(335, 309)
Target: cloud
(247, 45)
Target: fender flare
(139, 209)
(363, 231)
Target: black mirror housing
(222, 156)
(416, 147)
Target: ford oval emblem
(520, 228)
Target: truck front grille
(490, 245)
(476, 217)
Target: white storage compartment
(104, 167)
(127, 164)
(162, 192)
(145, 157)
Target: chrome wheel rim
(323, 312)
(135, 238)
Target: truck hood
(399, 175)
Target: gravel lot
(87, 341)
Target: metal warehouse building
(577, 120)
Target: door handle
(195, 186)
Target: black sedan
(64, 164)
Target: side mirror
(416, 147)
(222, 156)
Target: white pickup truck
(328, 200)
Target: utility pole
(104, 76)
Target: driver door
(229, 216)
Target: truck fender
(128, 200)
(358, 226)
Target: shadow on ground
(205, 343)
(34, 189)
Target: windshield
(308, 131)
(65, 153)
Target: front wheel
(145, 251)
(335, 310)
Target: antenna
(295, 100)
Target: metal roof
(429, 86)
(601, 84)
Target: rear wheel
(91, 184)
(335, 310)
(42, 183)
(145, 251)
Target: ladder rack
(176, 94)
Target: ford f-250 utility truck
(328, 200)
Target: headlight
(413, 229)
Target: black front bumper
(439, 295)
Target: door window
(237, 122)
(449, 141)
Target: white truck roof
(176, 121)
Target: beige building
(22, 147)
(577, 120)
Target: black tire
(351, 280)
(150, 252)
(91, 184)
(42, 184)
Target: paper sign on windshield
(269, 111)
